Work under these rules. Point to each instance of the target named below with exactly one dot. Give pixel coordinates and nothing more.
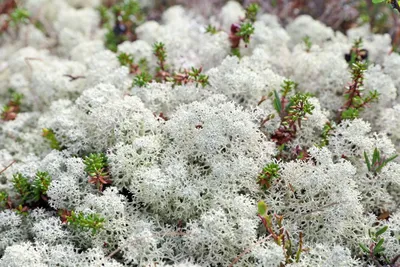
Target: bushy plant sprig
(274, 226)
(357, 53)
(377, 162)
(326, 132)
(12, 108)
(50, 136)
(125, 59)
(93, 221)
(307, 43)
(31, 192)
(22, 186)
(127, 15)
(19, 15)
(252, 11)
(268, 174)
(245, 31)
(16, 17)
(142, 79)
(4, 200)
(192, 76)
(97, 168)
(376, 249)
(162, 68)
(185, 76)
(242, 31)
(40, 185)
(211, 29)
(355, 102)
(140, 69)
(291, 111)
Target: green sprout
(125, 59)
(357, 53)
(211, 29)
(350, 114)
(375, 250)
(22, 210)
(40, 185)
(245, 31)
(19, 16)
(104, 15)
(236, 52)
(275, 228)
(16, 99)
(31, 192)
(22, 186)
(269, 173)
(127, 15)
(142, 79)
(355, 102)
(198, 77)
(85, 222)
(326, 132)
(96, 167)
(378, 162)
(112, 40)
(127, 10)
(3, 199)
(286, 87)
(291, 111)
(50, 136)
(307, 42)
(12, 108)
(95, 163)
(251, 12)
(161, 54)
(162, 69)
(143, 65)
(299, 107)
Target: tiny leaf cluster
(93, 221)
(50, 136)
(275, 228)
(97, 168)
(269, 173)
(377, 162)
(242, 31)
(12, 108)
(29, 191)
(355, 101)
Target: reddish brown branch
(9, 165)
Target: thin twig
(247, 250)
(394, 260)
(73, 78)
(321, 209)
(28, 59)
(9, 165)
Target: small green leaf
(375, 156)
(381, 231)
(377, 1)
(378, 248)
(277, 102)
(367, 161)
(262, 207)
(390, 159)
(364, 248)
